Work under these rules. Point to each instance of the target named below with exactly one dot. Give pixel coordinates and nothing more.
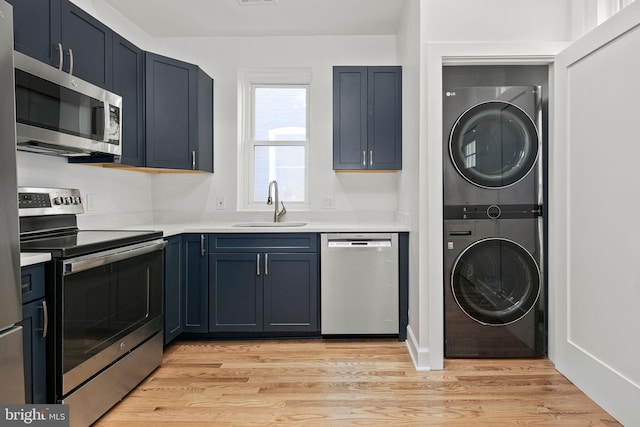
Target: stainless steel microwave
(58, 113)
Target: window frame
(249, 81)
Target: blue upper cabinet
(367, 118)
(87, 45)
(128, 82)
(61, 34)
(37, 28)
(179, 115)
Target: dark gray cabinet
(128, 82)
(172, 289)
(87, 45)
(36, 28)
(185, 286)
(179, 115)
(35, 325)
(367, 118)
(196, 286)
(59, 33)
(263, 283)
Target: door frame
(425, 340)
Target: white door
(594, 198)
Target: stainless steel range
(104, 290)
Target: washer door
(495, 281)
(494, 144)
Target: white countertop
(27, 259)
(172, 229)
(309, 227)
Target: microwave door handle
(70, 61)
(107, 123)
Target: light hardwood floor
(346, 383)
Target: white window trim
(246, 80)
(607, 8)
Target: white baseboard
(419, 356)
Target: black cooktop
(82, 242)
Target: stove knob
(67, 200)
(57, 200)
(77, 200)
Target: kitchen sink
(270, 224)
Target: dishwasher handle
(365, 243)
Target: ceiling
(228, 18)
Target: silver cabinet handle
(266, 264)
(45, 326)
(370, 157)
(364, 159)
(60, 56)
(193, 160)
(257, 264)
(70, 61)
(202, 245)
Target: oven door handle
(76, 265)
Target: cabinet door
(350, 118)
(235, 295)
(204, 147)
(384, 104)
(172, 289)
(195, 283)
(34, 347)
(91, 44)
(36, 28)
(291, 292)
(128, 82)
(170, 113)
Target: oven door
(107, 304)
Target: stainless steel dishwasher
(359, 283)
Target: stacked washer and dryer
(494, 298)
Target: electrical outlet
(219, 202)
(90, 202)
(327, 202)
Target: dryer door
(494, 144)
(495, 281)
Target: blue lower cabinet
(291, 292)
(35, 351)
(172, 289)
(34, 327)
(185, 286)
(236, 300)
(263, 283)
(195, 291)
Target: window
(276, 138)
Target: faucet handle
(282, 212)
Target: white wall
(119, 198)
(192, 197)
(223, 58)
(497, 20)
(408, 42)
(594, 251)
(489, 32)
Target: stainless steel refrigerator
(11, 357)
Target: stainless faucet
(273, 187)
